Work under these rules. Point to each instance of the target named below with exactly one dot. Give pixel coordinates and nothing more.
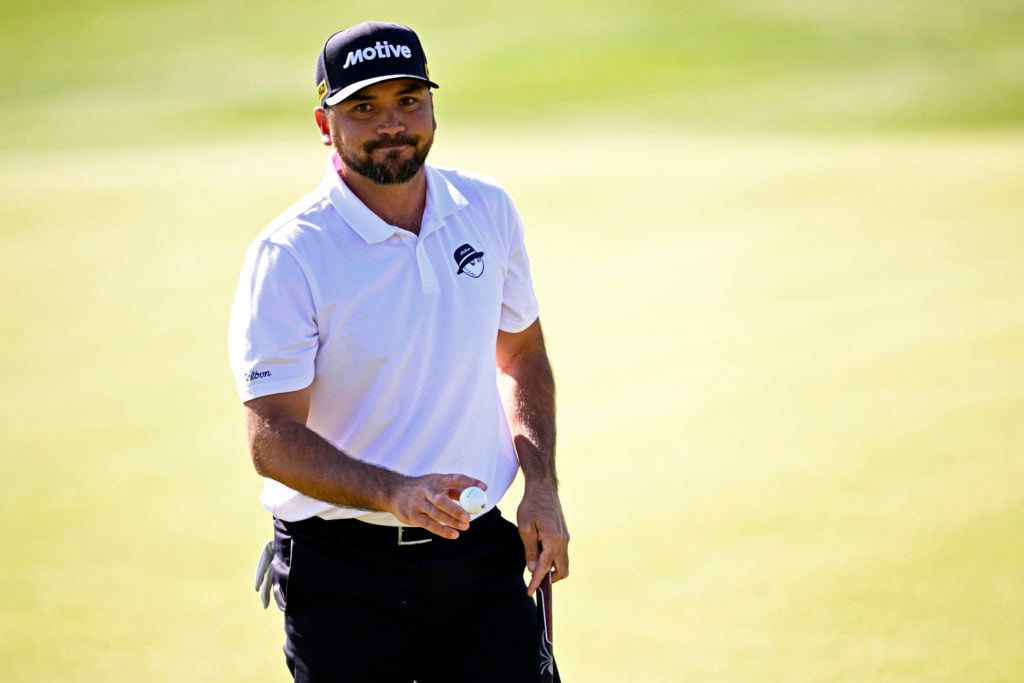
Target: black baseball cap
(365, 54)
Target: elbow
(260, 461)
(274, 424)
(261, 447)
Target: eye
(408, 101)
(363, 108)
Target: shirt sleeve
(272, 334)
(519, 308)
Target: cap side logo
(321, 89)
(382, 50)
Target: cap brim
(352, 89)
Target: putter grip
(548, 667)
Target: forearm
(529, 390)
(289, 452)
(283, 448)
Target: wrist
(380, 487)
(544, 484)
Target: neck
(401, 204)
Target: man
(370, 321)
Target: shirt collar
(443, 199)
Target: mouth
(390, 145)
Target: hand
(545, 536)
(431, 502)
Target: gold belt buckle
(402, 541)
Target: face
(383, 132)
(474, 268)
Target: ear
(323, 122)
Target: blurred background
(779, 251)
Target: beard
(393, 170)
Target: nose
(390, 123)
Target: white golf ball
(473, 500)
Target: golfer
(386, 345)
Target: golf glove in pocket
(264, 577)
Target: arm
(283, 448)
(528, 389)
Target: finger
(541, 569)
(457, 483)
(441, 493)
(560, 566)
(553, 556)
(448, 512)
(531, 545)
(436, 528)
(432, 510)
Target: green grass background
(780, 254)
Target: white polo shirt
(394, 332)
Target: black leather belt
(355, 531)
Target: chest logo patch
(469, 260)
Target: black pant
(360, 607)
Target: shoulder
(299, 223)
(472, 185)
